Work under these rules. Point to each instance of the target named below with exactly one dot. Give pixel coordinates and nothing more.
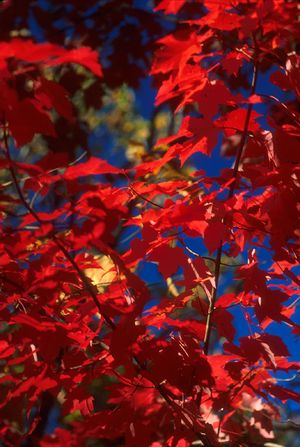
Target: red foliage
(160, 381)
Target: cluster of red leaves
(62, 333)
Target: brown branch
(222, 263)
(56, 240)
(211, 308)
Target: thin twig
(145, 198)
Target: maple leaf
(282, 393)
(177, 50)
(94, 166)
(214, 234)
(51, 94)
(195, 135)
(50, 54)
(27, 119)
(224, 322)
(170, 6)
(5, 349)
(84, 56)
(235, 121)
(169, 259)
(221, 19)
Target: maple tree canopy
(149, 252)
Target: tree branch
(208, 327)
(56, 240)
